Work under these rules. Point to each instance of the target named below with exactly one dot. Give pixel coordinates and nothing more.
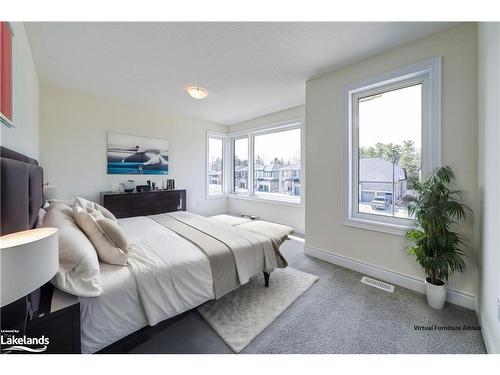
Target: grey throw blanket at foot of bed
(234, 254)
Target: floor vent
(378, 284)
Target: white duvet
(171, 273)
(166, 275)
(181, 268)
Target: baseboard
(453, 296)
(489, 343)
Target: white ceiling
(250, 69)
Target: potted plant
(436, 246)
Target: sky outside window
(392, 117)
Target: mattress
(118, 312)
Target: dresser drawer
(144, 203)
(156, 203)
(119, 205)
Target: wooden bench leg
(266, 278)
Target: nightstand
(59, 321)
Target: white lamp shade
(49, 192)
(28, 259)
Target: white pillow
(114, 232)
(78, 264)
(107, 250)
(60, 206)
(84, 203)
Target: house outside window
(393, 137)
(215, 165)
(277, 164)
(379, 178)
(240, 162)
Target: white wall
(73, 129)
(489, 180)
(324, 145)
(276, 212)
(23, 137)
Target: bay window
(264, 164)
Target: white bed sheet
(118, 312)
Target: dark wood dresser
(144, 203)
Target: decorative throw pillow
(107, 250)
(97, 215)
(84, 203)
(114, 232)
(78, 264)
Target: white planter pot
(436, 295)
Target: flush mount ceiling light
(197, 92)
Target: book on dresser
(144, 203)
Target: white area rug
(241, 315)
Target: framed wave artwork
(130, 154)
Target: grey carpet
(338, 314)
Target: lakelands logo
(12, 343)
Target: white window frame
(263, 130)
(225, 156)
(428, 73)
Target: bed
(176, 261)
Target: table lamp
(28, 259)
(49, 192)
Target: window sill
(217, 196)
(378, 226)
(271, 200)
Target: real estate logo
(11, 342)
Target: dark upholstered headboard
(21, 191)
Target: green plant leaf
(437, 209)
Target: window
(393, 137)
(390, 126)
(276, 164)
(240, 165)
(215, 167)
(5, 74)
(264, 163)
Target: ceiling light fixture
(197, 92)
